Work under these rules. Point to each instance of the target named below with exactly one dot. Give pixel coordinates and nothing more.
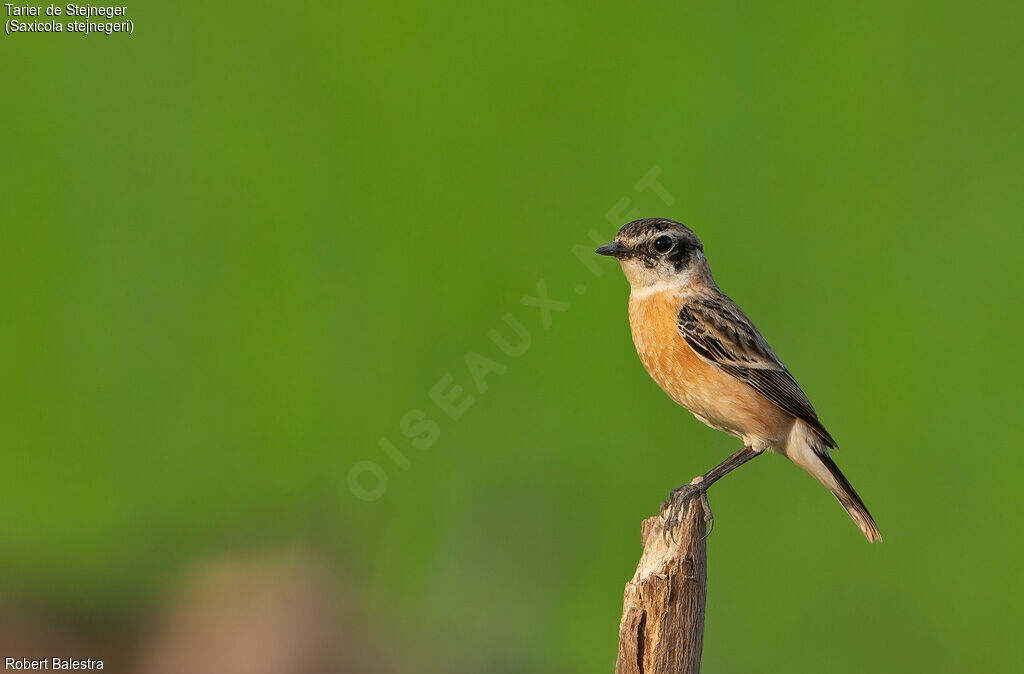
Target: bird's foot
(679, 498)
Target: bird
(707, 355)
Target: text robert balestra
(58, 664)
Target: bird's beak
(614, 249)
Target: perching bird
(704, 352)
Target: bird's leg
(679, 497)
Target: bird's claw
(709, 517)
(673, 509)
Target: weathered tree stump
(662, 628)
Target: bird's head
(658, 251)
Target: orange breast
(714, 397)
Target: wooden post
(662, 628)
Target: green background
(240, 245)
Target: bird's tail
(807, 451)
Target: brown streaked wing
(720, 333)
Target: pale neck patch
(645, 281)
(653, 289)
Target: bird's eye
(663, 244)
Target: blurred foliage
(241, 245)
